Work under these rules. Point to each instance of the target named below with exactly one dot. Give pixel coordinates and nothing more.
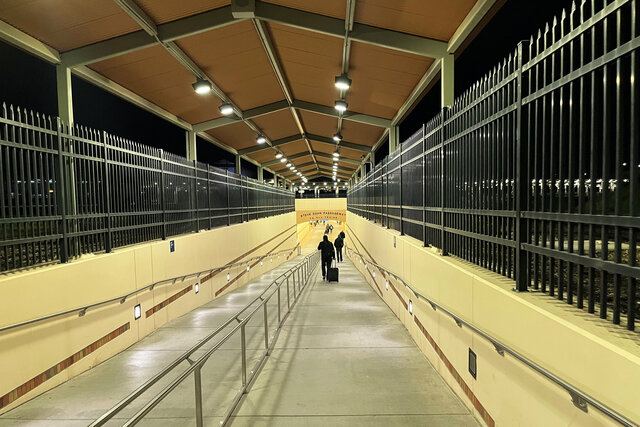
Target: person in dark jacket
(342, 235)
(339, 243)
(327, 255)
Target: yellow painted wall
(320, 203)
(28, 351)
(512, 393)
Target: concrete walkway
(344, 359)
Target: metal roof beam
(292, 157)
(167, 32)
(347, 115)
(267, 43)
(341, 159)
(361, 33)
(327, 140)
(246, 114)
(274, 143)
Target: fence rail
(67, 191)
(534, 171)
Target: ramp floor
(344, 359)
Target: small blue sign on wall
(172, 246)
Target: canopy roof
(275, 63)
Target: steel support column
(260, 173)
(394, 138)
(64, 91)
(238, 164)
(446, 81)
(191, 145)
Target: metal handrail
(579, 398)
(304, 269)
(122, 298)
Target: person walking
(339, 243)
(327, 255)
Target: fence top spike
(546, 28)
(563, 16)
(555, 21)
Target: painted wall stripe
(465, 388)
(153, 310)
(61, 366)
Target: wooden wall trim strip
(153, 310)
(61, 366)
(214, 273)
(406, 306)
(222, 289)
(465, 388)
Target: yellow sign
(319, 215)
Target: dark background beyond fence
(65, 192)
(533, 173)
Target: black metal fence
(65, 192)
(534, 172)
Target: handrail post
(198, 389)
(244, 355)
(279, 309)
(209, 194)
(266, 327)
(195, 196)
(288, 297)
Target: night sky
(30, 82)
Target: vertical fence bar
(107, 191)
(228, 200)
(521, 186)
(443, 180)
(162, 196)
(243, 343)
(266, 326)
(62, 196)
(195, 196)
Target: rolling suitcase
(332, 274)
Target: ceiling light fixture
(284, 159)
(202, 87)
(343, 82)
(279, 156)
(261, 139)
(226, 108)
(336, 154)
(341, 105)
(337, 137)
(288, 164)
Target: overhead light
(295, 170)
(288, 164)
(202, 87)
(341, 105)
(334, 178)
(284, 159)
(291, 167)
(338, 179)
(336, 154)
(343, 82)
(261, 139)
(226, 109)
(279, 156)
(337, 137)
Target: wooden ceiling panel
(350, 154)
(295, 147)
(237, 135)
(156, 76)
(162, 11)
(333, 8)
(321, 147)
(234, 58)
(67, 24)
(263, 156)
(435, 19)
(318, 124)
(277, 125)
(382, 79)
(360, 133)
(310, 61)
